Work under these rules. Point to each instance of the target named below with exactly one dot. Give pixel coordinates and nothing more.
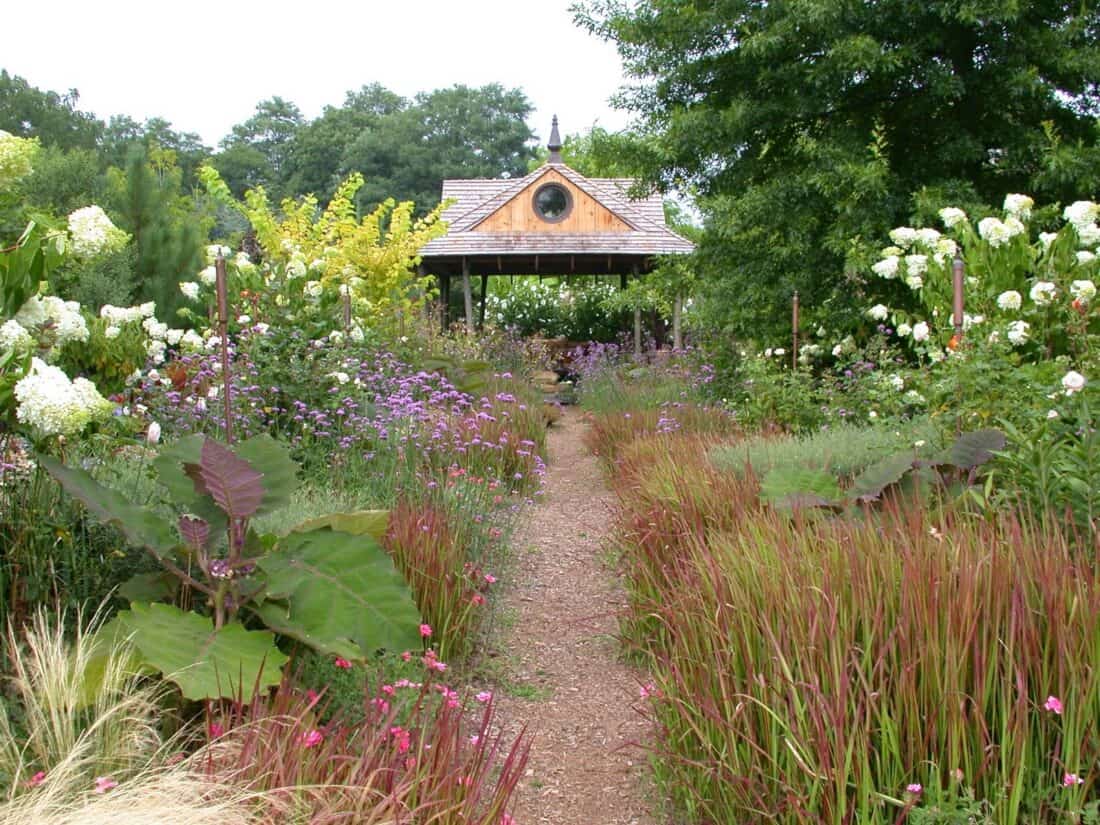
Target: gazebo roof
(491, 222)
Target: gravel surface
(562, 675)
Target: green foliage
(203, 661)
(811, 128)
(578, 309)
(48, 116)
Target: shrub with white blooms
(1018, 333)
(14, 336)
(16, 156)
(93, 233)
(1082, 291)
(1043, 292)
(62, 319)
(1010, 299)
(952, 216)
(50, 404)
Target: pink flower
(387, 689)
(484, 696)
(648, 690)
(490, 578)
(312, 738)
(342, 663)
(478, 599)
(1071, 779)
(958, 775)
(104, 784)
(1053, 703)
(407, 655)
(312, 697)
(506, 819)
(914, 788)
(36, 780)
(475, 739)
(425, 630)
(215, 730)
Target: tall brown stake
(794, 331)
(223, 332)
(958, 283)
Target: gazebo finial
(554, 144)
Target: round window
(552, 202)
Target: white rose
(920, 331)
(904, 329)
(1010, 300)
(878, 312)
(152, 434)
(1018, 332)
(1084, 257)
(1083, 291)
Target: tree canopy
(810, 123)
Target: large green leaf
(169, 465)
(140, 525)
(799, 487)
(338, 593)
(371, 523)
(205, 663)
(869, 484)
(971, 450)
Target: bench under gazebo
(554, 221)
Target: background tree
(258, 149)
(807, 125)
(51, 117)
(460, 132)
(122, 132)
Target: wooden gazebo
(554, 221)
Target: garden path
(564, 678)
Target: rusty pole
(794, 331)
(223, 331)
(958, 284)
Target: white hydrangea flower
(879, 312)
(1083, 290)
(356, 334)
(920, 331)
(155, 349)
(244, 320)
(67, 320)
(1014, 226)
(1073, 382)
(838, 350)
(1085, 257)
(242, 260)
(1019, 206)
(214, 250)
(914, 397)
(972, 320)
(928, 237)
(33, 313)
(51, 404)
(148, 309)
(191, 341)
(340, 377)
(1018, 332)
(1043, 292)
(173, 337)
(208, 276)
(1011, 299)
(1047, 238)
(1088, 234)
(112, 332)
(914, 282)
(916, 264)
(893, 251)
(190, 290)
(952, 216)
(904, 329)
(16, 158)
(897, 382)
(14, 336)
(93, 233)
(1081, 213)
(935, 355)
(994, 231)
(904, 236)
(296, 267)
(154, 328)
(313, 289)
(887, 267)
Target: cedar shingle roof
(476, 200)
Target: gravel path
(562, 675)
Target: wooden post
(957, 304)
(677, 312)
(444, 302)
(481, 309)
(467, 296)
(794, 331)
(637, 324)
(221, 287)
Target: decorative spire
(554, 145)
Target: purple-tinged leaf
(195, 531)
(193, 472)
(232, 482)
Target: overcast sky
(204, 65)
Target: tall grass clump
(902, 664)
(76, 752)
(611, 431)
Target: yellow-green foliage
(375, 258)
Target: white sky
(203, 65)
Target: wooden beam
(467, 296)
(677, 332)
(537, 263)
(481, 309)
(500, 265)
(637, 324)
(444, 302)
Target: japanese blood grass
(419, 755)
(611, 431)
(810, 669)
